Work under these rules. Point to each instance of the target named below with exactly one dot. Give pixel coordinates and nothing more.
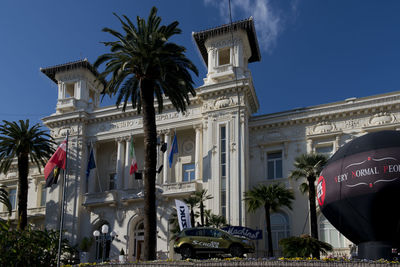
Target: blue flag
(91, 164)
(174, 150)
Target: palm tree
(302, 246)
(217, 221)
(309, 166)
(192, 201)
(202, 196)
(4, 199)
(271, 197)
(23, 142)
(143, 65)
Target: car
(207, 240)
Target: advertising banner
(244, 232)
(183, 213)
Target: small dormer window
(70, 90)
(224, 56)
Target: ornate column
(198, 159)
(120, 162)
(309, 146)
(127, 177)
(337, 144)
(167, 139)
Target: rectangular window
(43, 196)
(188, 172)
(113, 181)
(12, 196)
(274, 165)
(324, 150)
(224, 56)
(223, 169)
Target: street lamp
(103, 237)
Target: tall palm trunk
(202, 213)
(150, 150)
(268, 220)
(23, 169)
(192, 222)
(313, 212)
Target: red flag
(57, 161)
(134, 166)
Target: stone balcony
(100, 198)
(125, 196)
(66, 104)
(180, 189)
(222, 73)
(32, 212)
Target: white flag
(183, 213)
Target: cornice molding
(371, 106)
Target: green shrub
(31, 247)
(302, 246)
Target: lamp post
(103, 237)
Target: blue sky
(313, 51)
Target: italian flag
(134, 167)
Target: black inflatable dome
(359, 192)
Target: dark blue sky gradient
(325, 51)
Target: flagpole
(64, 185)
(97, 173)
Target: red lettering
(385, 168)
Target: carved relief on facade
(188, 146)
(62, 132)
(223, 102)
(323, 127)
(381, 118)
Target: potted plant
(84, 246)
(122, 256)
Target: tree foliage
(31, 247)
(302, 246)
(202, 196)
(143, 65)
(271, 198)
(308, 167)
(21, 142)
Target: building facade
(222, 147)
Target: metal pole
(103, 238)
(64, 185)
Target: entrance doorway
(139, 241)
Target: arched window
(279, 228)
(330, 234)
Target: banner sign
(244, 231)
(183, 213)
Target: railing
(255, 262)
(100, 198)
(32, 212)
(66, 103)
(112, 197)
(179, 188)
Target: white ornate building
(222, 148)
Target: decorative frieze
(323, 127)
(381, 118)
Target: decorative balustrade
(100, 198)
(179, 188)
(32, 212)
(66, 103)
